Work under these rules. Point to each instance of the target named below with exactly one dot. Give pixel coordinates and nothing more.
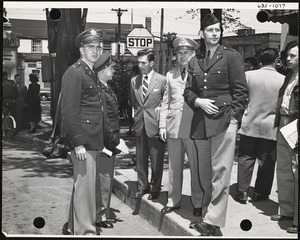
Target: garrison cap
(185, 43)
(90, 35)
(103, 61)
(209, 19)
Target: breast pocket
(219, 76)
(89, 90)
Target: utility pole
(161, 40)
(119, 14)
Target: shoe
(105, 224)
(241, 197)
(153, 195)
(278, 217)
(140, 193)
(32, 130)
(65, 230)
(204, 228)
(166, 209)
(259, 197)
(292, 229)
(197, 212)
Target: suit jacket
(146, 112)
(222, 80)
(83, 109)
(175, 115)
(259, 116)
(294, 101)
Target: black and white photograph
(150, 119)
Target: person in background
(146, 94)
(283, 69)
(33, 102)
(84, 115)
(9, 93)
(287, 111)
(252, 63)
(217, 92)
(20, 102)
(106, 164)
(257, 132)
(174, 128)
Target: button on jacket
(83, 109)
(223, 80)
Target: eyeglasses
(93, 47)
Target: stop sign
(138, 39)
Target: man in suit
(146, 93)
(287, 157)
(257, 133)
(175, 123)
(83, 112)
(106, 164)
(217, 92)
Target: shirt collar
(212, 50)
(89, 65)
(149, 75)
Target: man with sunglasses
(84, 115)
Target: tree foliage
(230, 23)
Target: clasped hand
(207, 105)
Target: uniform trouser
(105, 166)
(176, 150)
(250, 149)
(82, 214)
(217, 151)
(155, 148)
(285, 178)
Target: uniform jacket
(112, 107)
(259, 116)
(222, 80)
(294, 101)
(175, 115)
(83, 109)
(146, 112)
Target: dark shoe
(292, 229)
(65, 229)
(140, 193)
(278, 217)
(105, 224)
(258, 197)
(204, 228)
(241, 197)
(197, 212)
(153, 195)
(166, 210)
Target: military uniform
(83, 111)
(222, 80)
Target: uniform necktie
(183, 73)
(145, 86)
(207, 57)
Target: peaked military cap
(90, 35)
(185, 43)
(103, 61)
(209, 19)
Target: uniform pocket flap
(87, 118)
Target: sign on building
(138, 39)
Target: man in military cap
(175, 123)
(217, 92)
(83, 112)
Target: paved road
(34, 186)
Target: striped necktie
(145, 86)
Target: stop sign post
(139, 39)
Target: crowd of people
(196, 110)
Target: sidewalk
(177, 223)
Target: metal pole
(161, 39)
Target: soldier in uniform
(217, 93)
(83, 111)
(175, 123)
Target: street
(34, 186)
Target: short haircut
(146, 52)
(268, 56)
(252, 60)
(291, 45)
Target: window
(36, 46)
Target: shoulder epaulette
(230, 49)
